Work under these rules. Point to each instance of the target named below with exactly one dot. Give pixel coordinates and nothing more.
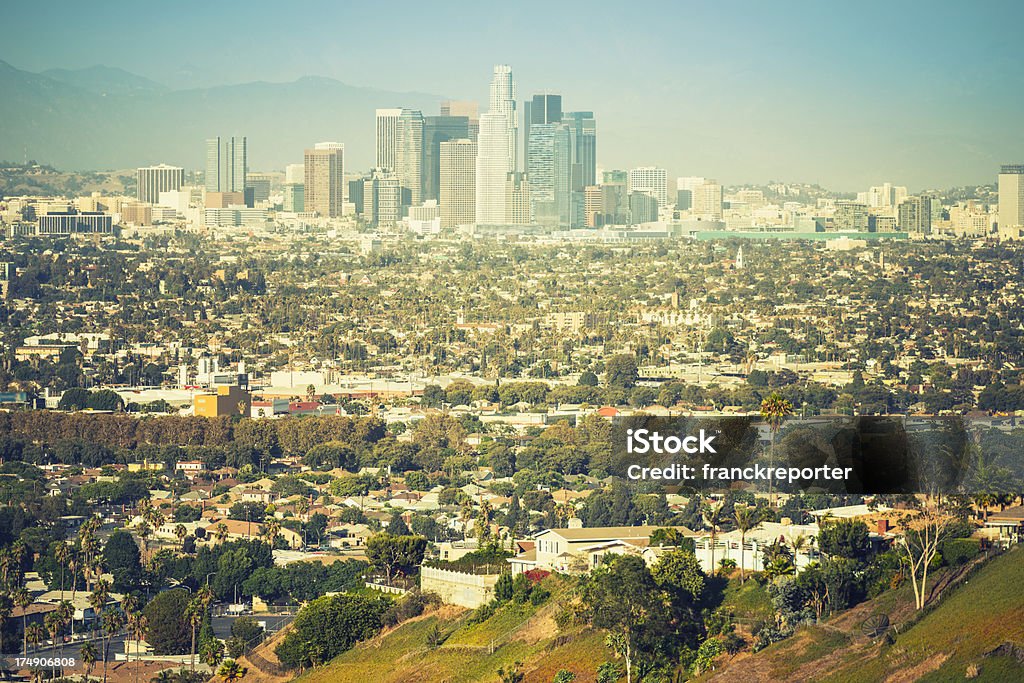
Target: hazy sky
(918, 93)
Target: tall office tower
(915, 215)
(545, 108)
(493, 165)
(707, 200)
(409, 156)
(260, 184)
(550, 176)
(471, 110)
(152, 180)
(457, 184)
(503, 101)
(382, 199)
(387, 126)
(437, 130)
(685, 186)
(583, 140)
(226, 164)
(325, 179)
(651, 181)
(1011, 197)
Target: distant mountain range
(106, 118)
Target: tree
(623, 598)
(923, 534)
(774, 411)
(22, 600)
(746, 518)
(588, 379)
(847, 538)
(121, 558)
(712, 513)
(621, 371)
(167, 622)
(328, 626)
(110, 623)
(395, 553)
(231, 670)
(88, 654)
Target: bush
(959, 551)
(482, 613)
(538, 595)
(411, 605)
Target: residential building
(915, 215)
(707, 200)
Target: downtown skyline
(747, 97)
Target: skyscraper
(543, 108)
(1011, 197)
(583, 140)
(503, 101)
(387, 123)
(493, 164)
(457, 184)
(295, 188)
(152, 180)
(408, 164)
(471, 110)
(549, 159)
(651, 181)
(325, 179)
(436, 130)
(382, 199)
(226, 164)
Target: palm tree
(231, 670)
(22, 599)
(774, 411)
(112, 623)
(181, 532)
(98, 600)
(35, 633)
(88, 654)
(746, 518)
(273, 530)
(54, 624)
(62, 553)
(221, 534)
(712, 513)
(144, 533)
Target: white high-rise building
(1011, 198)
(387, 127)
(458, 183)
(493, 164)
(503, 101)
(650, 181)
(152, 180)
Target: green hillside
(471, 652)
(975, 632)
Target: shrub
(960, 551)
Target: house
(578, 549)
(190, 467)
(1009, 523)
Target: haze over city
(844, 97)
